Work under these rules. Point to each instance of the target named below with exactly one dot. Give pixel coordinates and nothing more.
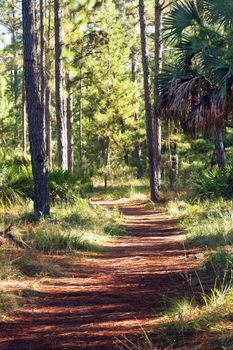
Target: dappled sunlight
(108, 295)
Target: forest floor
(106, 298)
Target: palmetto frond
(219, 11)
(181, 95)
(181, 16)
(201, 94)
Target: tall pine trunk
(158, 66)
(61, 124)
(219, 147)
(48, 127)
(137, 147)
(24, 120)
(81, 119)
(70, 135)
(34, 109)
(154, 186)
(47, 111)
(42, 71)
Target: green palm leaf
(181, 16)
(219, 11)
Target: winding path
(108, 296)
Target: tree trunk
(34, 109)
(81, 119)
(220, 151)
(47, 110)
(158, 66)
(70, 136)
(137, 147)
(42, 73)
(24, 119)
(61, 124)
(48, 127)
(154, 186)
(138, 155)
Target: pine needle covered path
(108, 296)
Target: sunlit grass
(185, 318)
(9, 303)
(132, 189)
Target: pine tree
(34, 110)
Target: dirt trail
(110, 295)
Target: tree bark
(42, 72)
(158, 66)
(154, 186)
(81, 119)
(47, 110)
(70, 136)
(24, 119)
(34, 109)
(48, 127)
(220, 151)
(61, 124)
(137, 147)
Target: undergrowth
(209, 225)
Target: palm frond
(181, 94)
(181, 16)
(219, 11)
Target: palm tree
(198, 91)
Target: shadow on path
(109, 296)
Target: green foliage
(214, 183)
(220, 265)
(185, 320)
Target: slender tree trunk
(154, 186)
(137, 147)
(107, 165)
(220, 151)
(61, 124)
(70, 136)
(34, 109)
(47, 110)
(42, 72)
(24, 119)
(158, 66)
(138, 156)
(81, 119)
(48, 127)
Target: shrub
(214, 183)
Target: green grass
(9, 303)
(209, 225)
(19, 264)
(132, 188)
(185, 319)
(78, 226)
(32, 265)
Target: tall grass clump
(50, 238)
(78, 226)
(213, 231)
(18, 264)
(86, 215)
(185, 320)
